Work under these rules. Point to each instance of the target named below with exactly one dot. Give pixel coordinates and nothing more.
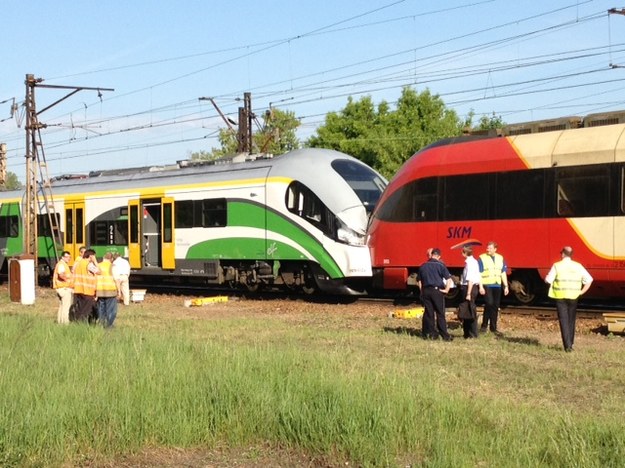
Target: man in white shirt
(470, 286)
(121, 275)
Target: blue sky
(523, 60)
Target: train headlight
(347, 235)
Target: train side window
(520, 194)
(99, 233)
(120, 232)
(425, 193)
(14, 226)
(466, 197)
(214, 212)
(416, 201)
(583, 191)
(9, 226)
(4, 226)
(184, 214)
(43, 223)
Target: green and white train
(297, 220)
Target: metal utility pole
(245, 125)
(32, 129)
(3, 163)
(244, 132)
(35, 159)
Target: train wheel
(309, 289)
(453, 296)
(523, 288)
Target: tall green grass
(77, 394)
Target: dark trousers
(492, 300)
(84, 307)
(434, 323)
(567, 312)
(469, 326)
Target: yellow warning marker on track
(202, 301)
(416, 312)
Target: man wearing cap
(434, 282)
(567, 281)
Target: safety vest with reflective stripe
(57, 282)
(568, 280)
(84, 280)
(106, 286)
(492, 269)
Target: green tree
(11, 182)
(385, 138)
(277, 136)
(485, 123)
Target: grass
(336, 388)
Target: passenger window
(583, 191)
(520, 194)
(466, 197)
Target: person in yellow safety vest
(106, 291)
(567, 281)
(85, 272)
(63, 285)
(493, 270)
(81, 253)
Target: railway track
(587, 309)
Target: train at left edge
(295, 221)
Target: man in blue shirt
(434, 282)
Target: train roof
(192, 171)
(480, 154)
(568, 147)
(311, 166)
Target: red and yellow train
(531, 191)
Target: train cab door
(168, 258)
(74, 228)
(151, 233)
(134, 234)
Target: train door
(151, 233)
(74, 229)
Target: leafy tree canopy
(11, 182)
(385, 138)
(277, 136)
(486, 122)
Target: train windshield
(364, 181)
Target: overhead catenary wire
(356, 83)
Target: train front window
(363, 180)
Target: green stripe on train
(242, 214)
